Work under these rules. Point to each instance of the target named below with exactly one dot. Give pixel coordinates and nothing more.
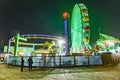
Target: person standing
(30, 62)
(22, 64)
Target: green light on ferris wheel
(80, 30)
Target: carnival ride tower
(67, 47)
(80, 29)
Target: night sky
(45, 17)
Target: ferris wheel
(80, 29)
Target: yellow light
(85, 18)
(86, 40)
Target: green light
(17, 38)
(104, 37)
(80, 33)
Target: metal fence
(56, 61)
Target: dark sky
(45, 17)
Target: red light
(84, 11)
(65, 15)
(86, 28)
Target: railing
(56, 61)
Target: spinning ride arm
(95, 48)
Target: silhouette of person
(30, 62)
(22, 64)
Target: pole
(66, 35)
(99, 33)
(8, 51)
(66, 16)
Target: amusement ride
(77, 35)
(72, 50)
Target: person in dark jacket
(22, 64)
(30, 62)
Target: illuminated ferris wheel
(80, 29)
